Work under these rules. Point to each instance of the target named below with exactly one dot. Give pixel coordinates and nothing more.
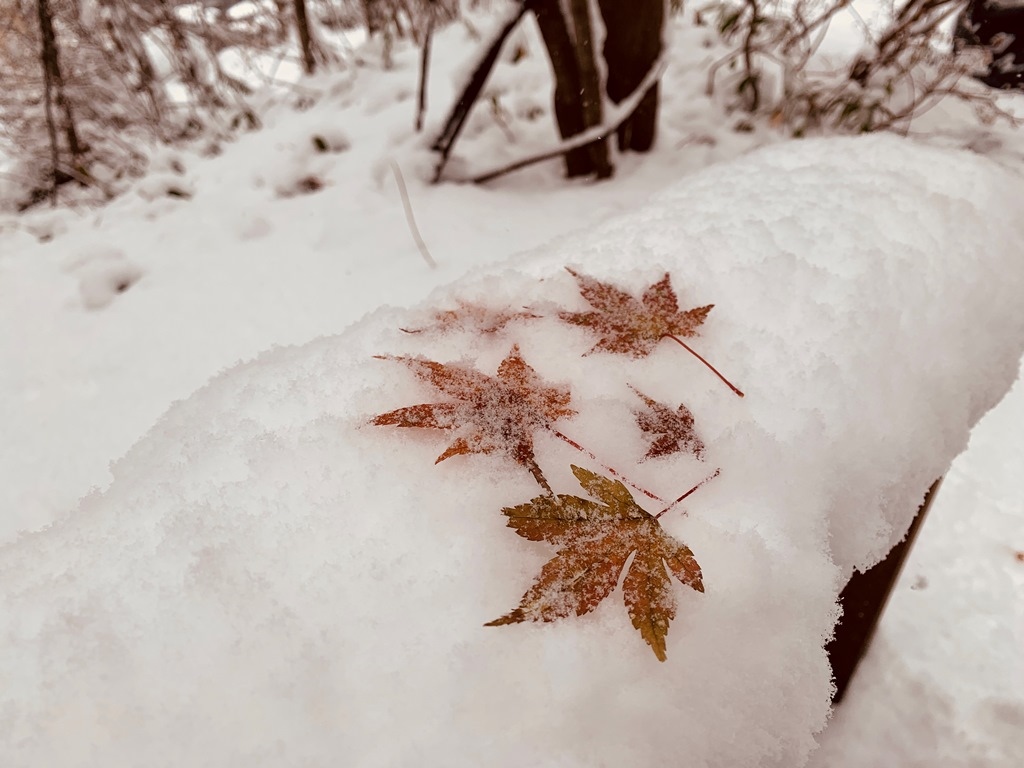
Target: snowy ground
(107, 317)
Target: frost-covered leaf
(475, 318)
(631, 326)
(487, 414)
(596, 540)
(668, 431)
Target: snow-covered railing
(281, 575)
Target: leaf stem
(604, 466)
(539, 477)
(707, 479)
(714, 370)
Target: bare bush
(407, 18)
(87, 85)
(904, 71)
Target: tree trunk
(305, 37)
(568, 83)
(632, 45)
(54, 75)
(590, 85)
(53, 82)
(374, 14)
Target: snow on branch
(617, 115)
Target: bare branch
(445, 141)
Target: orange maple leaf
(669, 431)
(472, 317)
(632, 326)
(488, 414)
(595, 540)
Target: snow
(237, 268)
(216, 599)
(958, 607)
(274, 577)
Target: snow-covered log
(270, 580)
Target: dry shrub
(129, 74)
(902, 72)
(407, 18)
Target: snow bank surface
(272, 581)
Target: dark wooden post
(863, 600)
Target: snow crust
(271, 581)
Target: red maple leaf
(630, 326)
(472, 317)
(487, 414)
(669, 431)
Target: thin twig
(499, 119)
(751, 79)
(707, 479)
(421, 103)
(409, 217)
(861, 23)
(712, 368)
(619, 475)
(85, 180)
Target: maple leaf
(670, 431)
(596, 540)
(488, 414)
(472, 317)
(632, 326)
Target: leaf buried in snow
(631, 326)
(595, 540)
(472, 317)
(668, 431)
(486, 414)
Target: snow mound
(103, 274)
(272, 581)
